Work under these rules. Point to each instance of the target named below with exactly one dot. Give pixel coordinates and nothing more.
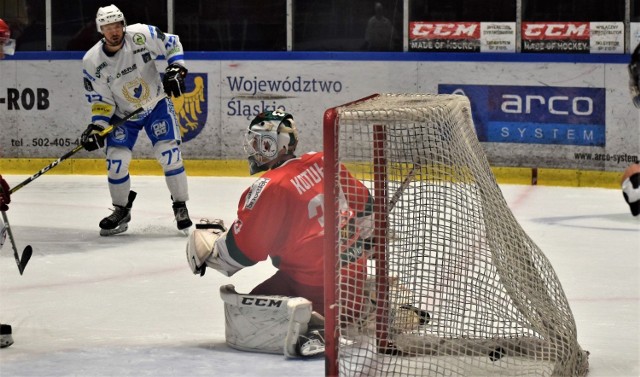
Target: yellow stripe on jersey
(102, 109)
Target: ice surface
(128, 305)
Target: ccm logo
(556, 31)
(557, 105)
(454, 29)
(265, 302)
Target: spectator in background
(33, 35)
(85, 38)
(379, 35)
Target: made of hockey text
(560, 46)
(470, 45)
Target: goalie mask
(109, 15)
(270, 136)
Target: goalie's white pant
(258, 323)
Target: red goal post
(454, 286)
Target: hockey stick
(26, 253)
(403, 186)
(75, 150)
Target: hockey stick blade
(77, 149)
(26, 254)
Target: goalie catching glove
(91, 139)
(206, 248)
(173, 80)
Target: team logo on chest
(136, 91)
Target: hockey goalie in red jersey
(280, 217)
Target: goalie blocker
(272, 324)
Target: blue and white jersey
(121, 83)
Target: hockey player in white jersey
(120, 76)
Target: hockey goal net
(454, 286)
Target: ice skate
(118, 221)
(311, 344)
(5, 336)
(182, 217)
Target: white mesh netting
(455, 287)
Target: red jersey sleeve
(281, 216)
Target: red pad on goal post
(453, 282)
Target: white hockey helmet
(270, 136)
(109, 15)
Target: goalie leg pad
(259, 323)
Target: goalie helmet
(5, 32)
(109, 15)
(270, 136)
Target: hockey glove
(173, 80)
(90, 139)
(5, 196)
